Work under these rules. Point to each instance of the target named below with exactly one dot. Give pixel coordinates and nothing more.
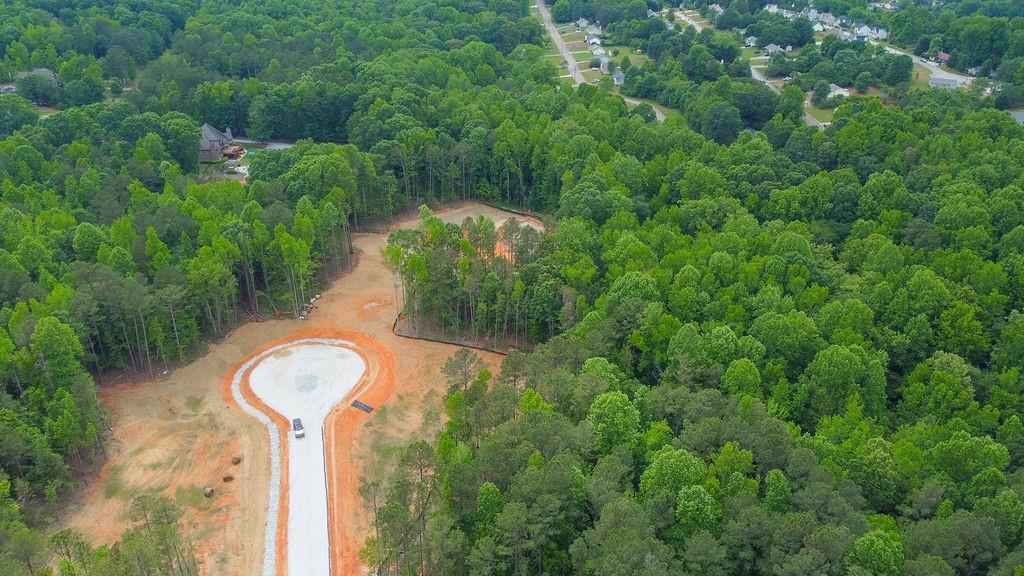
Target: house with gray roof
(214, 145)
(944, 83)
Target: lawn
(617, 52)
(823, 115)
(919, 81)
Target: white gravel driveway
(306, 381)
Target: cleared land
(306, 380)
(175, 436)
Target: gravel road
(299, 379)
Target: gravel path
(274, 501)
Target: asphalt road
(932, 67)
(680, 15)
(573, 65)
(549, 25)
(307, 381)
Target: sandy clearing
(175, 435)
(456, 214)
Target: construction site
(219, 435)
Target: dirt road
(177, 435)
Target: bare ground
(175, 436)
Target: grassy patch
(193, 403)
(114, 487)
(820, 114)
(919, 78)
(190, 496)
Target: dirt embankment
(177, 435)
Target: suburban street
(574, 67)
(932, 67)
(549, 24)
(688, 20)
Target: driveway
(302, 379)
(682, 16)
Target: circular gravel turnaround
(303, 378)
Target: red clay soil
(374, 387)
(181, 432)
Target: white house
(750, 41)
(582, 23)
(772, 8)
(945, 83)
(772, 49)
(837, 90)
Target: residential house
(942, 57)
(944, 83)
(582, 23)
(593, 40)
(812, 14)
(652, 14)
(750, 41)
(618, 77)
(863, 32)
(837, 90)
(716, 8)
(605, 63)
(593, 29)
(214, 145)
(772, 8)
(45, 73)
(818, 27)
(974, 70)
(772, 49)
(828, 20)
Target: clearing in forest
(178, 435)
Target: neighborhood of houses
(593, 40)
(846, 29)
(823, 22)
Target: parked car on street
(297, 427)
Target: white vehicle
(297, 427)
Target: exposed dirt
(456, 214)
(177, 435)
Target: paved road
(269, 145)
(932, 67)
(305, 381)
(657, 113)
(549, 24)
(688, 20)
(574, 67)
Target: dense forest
(782, 351)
